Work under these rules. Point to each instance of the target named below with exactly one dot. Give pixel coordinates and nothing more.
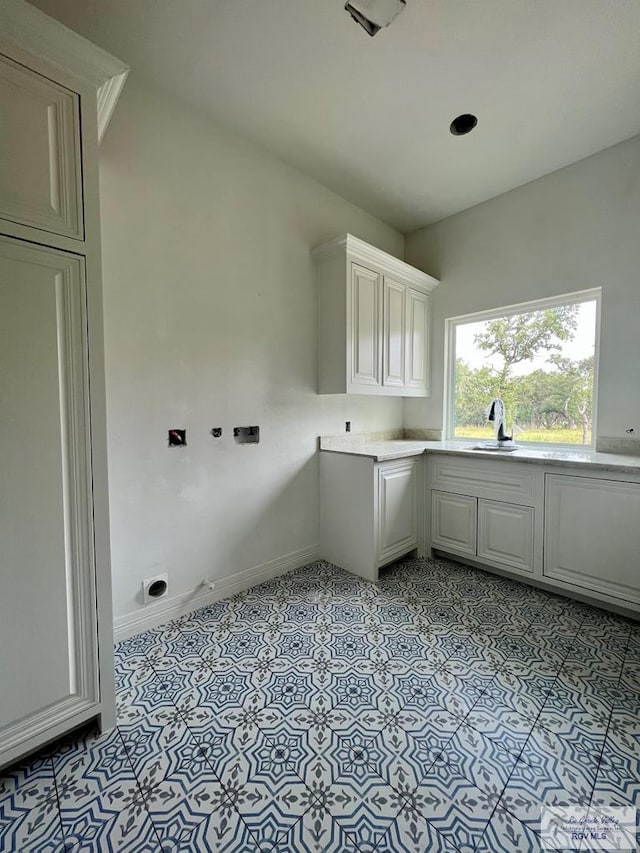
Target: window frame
(450, 327)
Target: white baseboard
(154, 615)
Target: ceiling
(551, 81)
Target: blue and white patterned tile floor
(433, 711)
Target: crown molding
(31, 30)
(359, 251)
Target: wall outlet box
(155, 588)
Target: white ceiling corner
(551, 81)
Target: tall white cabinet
(56, 631)
(375, 321)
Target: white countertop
(382, 451)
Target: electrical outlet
(347, 426)
(216, 432)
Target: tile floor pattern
(433, 711)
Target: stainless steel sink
(493, 448)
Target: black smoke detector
(463, 124)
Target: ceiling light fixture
(373, 15)
(463, 124)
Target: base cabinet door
(592, 534)
(48, 633)
(454, 522)
(397, 509)
(505, 534)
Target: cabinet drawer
(454, 522)
(486, 479)
(505, 534)
(40, 179)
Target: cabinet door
(454, 522)
(40, 179)
(397, 509)
(592, 535)
(366, 326)
(505, 534)
(418, 322)
(394, 332)
(48, 632)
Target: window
(539, 357)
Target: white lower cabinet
(592, 535)
(397, 508)
(486, 510)
(505, 534)
(572, 533)
(454, 521)
(493, 532)
(369, 511)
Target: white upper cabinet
(41, 177)
(418, 374)
(366, 316)
(394, 333)
(374, 321)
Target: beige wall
(574, 229)
(211, 320)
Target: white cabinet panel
(40, 178)
(499, 480)
(368, 511)
(48, 634)
(394, 336)
(453, 522)
(374, 319)
(505, 534)
(592, 534)
(365, 326)
(397, 509)
(417, 339)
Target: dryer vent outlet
(154, 588)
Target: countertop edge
(385, 451)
